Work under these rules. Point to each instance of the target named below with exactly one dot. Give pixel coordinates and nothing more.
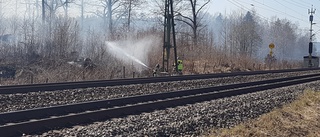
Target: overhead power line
(242, 7)
(273, 9)
(259, 7)
(288, 7)
(304, 3)
(296, 4)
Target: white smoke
(133, 52)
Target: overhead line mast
(168, 28)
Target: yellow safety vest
(180, 65)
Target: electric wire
(269, 8)
(296, 4)
(317, 32)
(242, 6)
(273, 9)
(258, 6)
(259, 15)
(315, 25)
(288, 7)
(294, 10)
(302, 3)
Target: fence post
(192, 70)
(31, 78)
(124, 71)
(204, 69)
(259, 67)
(83, 74)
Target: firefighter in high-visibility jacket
(180, 66)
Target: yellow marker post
(271, 46)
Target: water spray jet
(122, 54)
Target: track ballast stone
(191, 120)
(13, 102)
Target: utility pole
(43, 12)
(0, 8)
(66, 12)
(82, 13)
(129, 14)
(168, 28)
(311, 12)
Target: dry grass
(300, 118)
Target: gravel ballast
(191, 120)
(13, 102)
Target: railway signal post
(270, 59)
(311, 12)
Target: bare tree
(115, 12)
(234, 34)
(108, 10)
(2, 25)
(249, 38)
(195, 7)
(54, 5)
(283, 34)
(129, 7)
(82, 4)
(65, 6)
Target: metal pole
(165, 25)
(0, 8)
(43, 12)
(174, 37)
(67, 8)
(124, 71)
(168, 27)
(82, 13)
(311, 12)
(129, 14)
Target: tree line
(59, 36)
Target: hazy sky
(293, 10)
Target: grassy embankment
(300, 118)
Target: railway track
(41, 119)
(103, 83)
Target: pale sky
(294, 10)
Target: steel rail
(24, 115)
(13, 89)
(160, 101)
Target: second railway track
(41, 119)
(103, 83)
